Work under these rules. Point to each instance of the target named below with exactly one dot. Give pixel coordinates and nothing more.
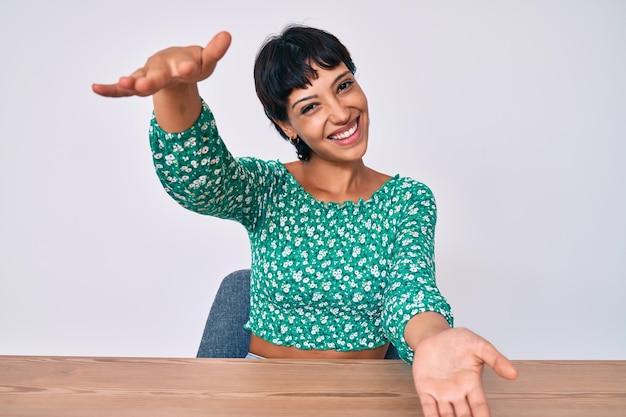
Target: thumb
(498, 362)
(216, 48)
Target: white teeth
(345, 134)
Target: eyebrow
(337, 79)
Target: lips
(345, 134)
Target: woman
(342, 255)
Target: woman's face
(330, 116)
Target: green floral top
(323, 275)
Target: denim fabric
(224, 335)
(253, 356)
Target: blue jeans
(224, 335)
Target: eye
(345, 85)
(308, 108)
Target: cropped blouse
(324, 275)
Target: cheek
(364, 104)
(312, 127)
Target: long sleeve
(411, 288)
(197, 170)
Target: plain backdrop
(513, 112)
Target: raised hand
(447, 371)
(170, 77)
(169, 68)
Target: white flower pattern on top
(323, 275)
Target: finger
(127, 83)
(153, 79)
(124, 87)
(429, 406)
(462, 408)
(500, 364)
(111, 90)
(217, 47)
(445, 409)
(478, 404)
(103, 89)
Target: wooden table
(121, 387)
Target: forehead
(323, 78)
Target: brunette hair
(284, 63)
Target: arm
(411, 289)
(191, 160)
(198, 171)
(447, 362)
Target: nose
(339, 112)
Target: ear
(286, 128)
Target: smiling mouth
(347, 133)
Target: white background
(513, 112)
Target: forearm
(177, 108)
(187, 162)
(197, 170)
(423, 325)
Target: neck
(332, 176)
(336, 182)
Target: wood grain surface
(137, 387)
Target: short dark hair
(284, 63)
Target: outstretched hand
(447, 371)
(169, 68)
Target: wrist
(423, 326)
(177, 107)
